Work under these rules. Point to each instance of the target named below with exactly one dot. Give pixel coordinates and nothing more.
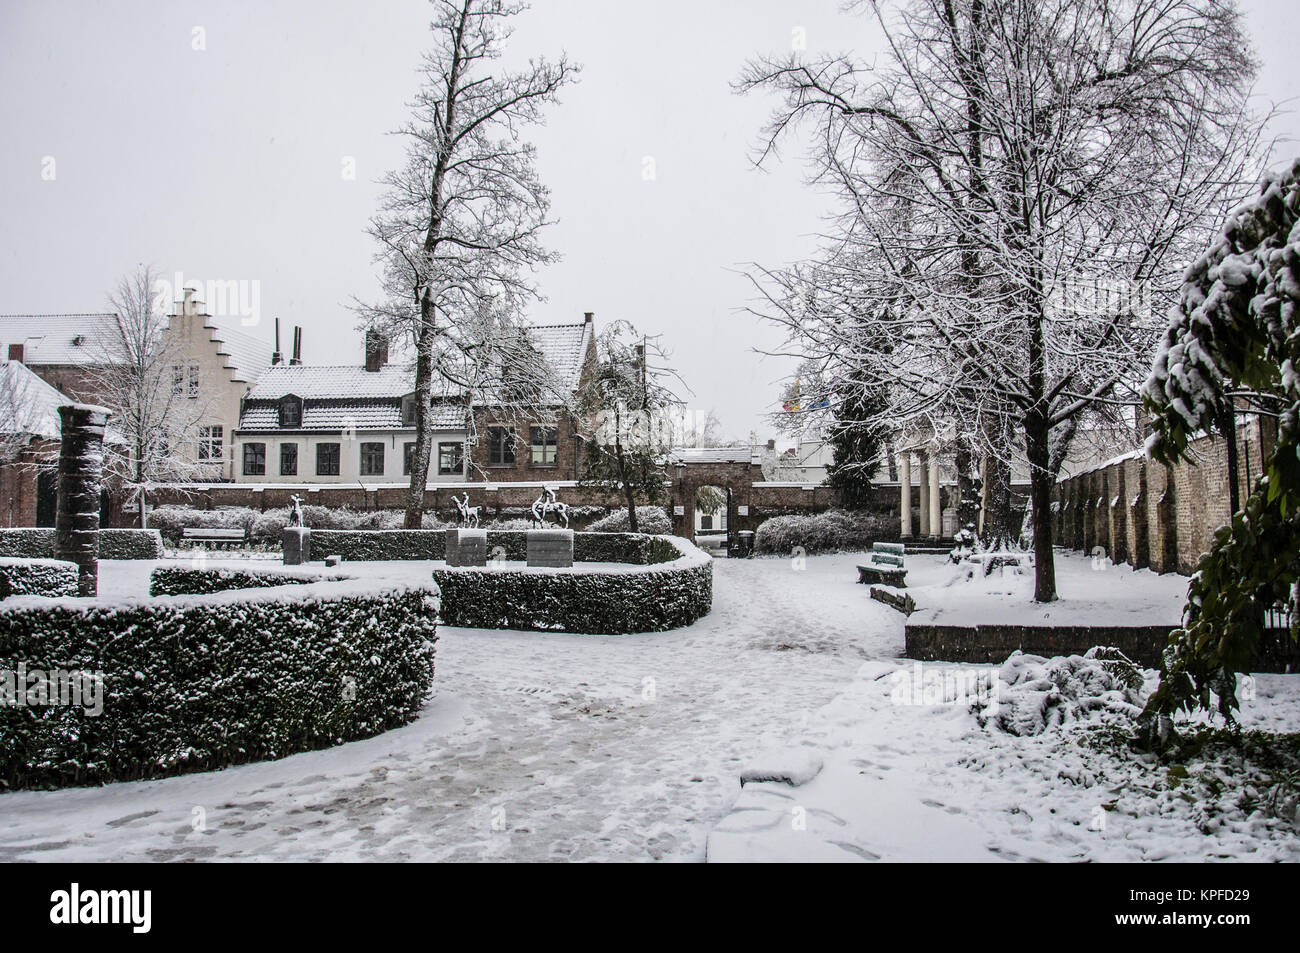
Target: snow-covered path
(535, 747)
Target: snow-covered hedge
(674, 589)
(37, 577)
(173, 520)
(38, 543)
(653, 520)
(824, 532)
(185, 580)
(192, 683)
(419, 544)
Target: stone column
(925, 492)
(905, 494)
(81, 470)
(936, 498)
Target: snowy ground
(543, 746)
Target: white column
(925, 492)
(936, 499)
(905, 494)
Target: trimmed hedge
(37, 577)
(431, 545)
(267, 526)
(182, 580)
(675, 588)
(38, 543)
(192, 683)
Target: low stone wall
(993, 644)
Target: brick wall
(1150, 515)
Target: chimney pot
(376, 351)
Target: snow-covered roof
(28, 405)
(342, 414)
(326, 382)
(565, 348)
(57, 338)
(247, 356)
(715, 455)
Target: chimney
(190, 303)
(587, 317)
(376, 351)
(276, 356)
(16, 353)
(771, 445)
(297, 345)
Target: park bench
(886, 567)
(214, 537)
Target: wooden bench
(886, 568)
(214, 537)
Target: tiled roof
(248, 356)
(564, 346)
(322, 382)
(57, 338)
(363, 414)
(28, 405)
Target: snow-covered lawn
(543, 746)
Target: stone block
(297, 545)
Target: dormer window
(290, 412)
(408, 410)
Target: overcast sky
(227, 162)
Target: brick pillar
(81, 471)
(1118, 505)
(1140, 554)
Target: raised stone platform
(467, 547)
(550, 548)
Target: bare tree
(134, 370)
(632, 400)
(458, 231)
(1022, 182)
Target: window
(543, 441)
(254, 459)
(178, 380)
(194, 381)
(290, 412)
(210, 440)
(451, 458)
(408, 410)
(501, 447)
(327, 459)
(288, 459)
(408, 458)
(706, 521)
(372, 459)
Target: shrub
(183, 580)
(38, 543)
(652, 520)
(269, 526)
(191, 683)
(37, 577)
(831, 531)
(676, 589)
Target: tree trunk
(423, 391)
(1040, 502)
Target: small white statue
(295, 510)
(468, 514)
(547, 503)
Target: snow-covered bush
(38, 543)
(674, 590)
(832, 531)
(1035, 694)
(269, 526)
(37, 577)
(652, 520)
(185, 580)
(192, 683)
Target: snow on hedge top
(1236, 314)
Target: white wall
(349, 456)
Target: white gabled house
(348, 424)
